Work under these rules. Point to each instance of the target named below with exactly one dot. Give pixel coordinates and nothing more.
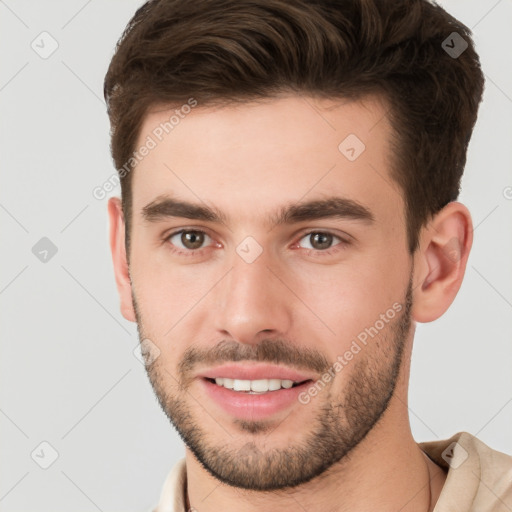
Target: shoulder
(478, 478)
(172, 497)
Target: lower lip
(248, 406)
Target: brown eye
(188, 239)
(319, 241)
(192, 239)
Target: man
(289, 176)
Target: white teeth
(274, 384)
(241, 385)
(259, 386)
(255, 386)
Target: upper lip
(255, 371)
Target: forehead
(248, 159)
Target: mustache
(268, 351)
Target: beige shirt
(479, 478)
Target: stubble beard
(341, 422)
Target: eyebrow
(164, 207)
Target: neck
(386, 471)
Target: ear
(440, 261)
(117, 246)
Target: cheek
(351, 296)
(167, 294)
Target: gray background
(68, 373)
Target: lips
(246, 403)
(255, 371)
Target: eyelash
(316, 252)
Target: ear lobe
(444, 250)
(119, 259)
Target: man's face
(260, 303)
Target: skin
(248, 161)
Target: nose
(252, 303)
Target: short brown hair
(224, 51)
